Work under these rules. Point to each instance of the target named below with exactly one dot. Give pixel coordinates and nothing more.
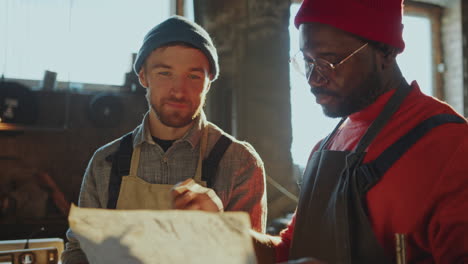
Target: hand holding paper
(189, 195)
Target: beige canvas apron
(135, 193)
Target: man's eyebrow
(160, 65)
(198, 69)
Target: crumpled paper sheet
(170, 237)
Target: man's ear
(210, 80)
(388, 57)
(208, 86)
(142, 78)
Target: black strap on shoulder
(373, 171)
(389, 109)
(120, 167)
(210, 164)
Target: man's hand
(189, 195)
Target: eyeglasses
(323, 68)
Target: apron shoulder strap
(120, 167)
(379, 123)
(374, 170)
(210, 164)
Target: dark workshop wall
(60, 145)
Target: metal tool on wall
(18, 104)
(22, 108)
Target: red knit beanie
(377, 20)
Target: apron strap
(374, 170)
(120, 167)
(135, 162)
(327, 139)
(210, 164)
(122, 158)
(201, 154)
(389, 109)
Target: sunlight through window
(83, 41)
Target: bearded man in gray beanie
(174, 145)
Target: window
(309, 124)
(416, 60)
(83, 41)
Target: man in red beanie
(390, 183)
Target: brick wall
(452, 41)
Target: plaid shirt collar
(142, 132)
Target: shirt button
(165, 159)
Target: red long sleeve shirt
(425, 194)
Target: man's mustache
(320, 90)
(176, 100)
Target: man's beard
(365, 94)
(173, 118)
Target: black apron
(331, 223)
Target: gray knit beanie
(178, 29)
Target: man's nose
(179, 86)
(316, 79)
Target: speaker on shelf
(105, 110)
